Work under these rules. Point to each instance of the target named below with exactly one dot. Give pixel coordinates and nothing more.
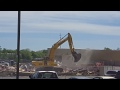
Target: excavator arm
(61, 41)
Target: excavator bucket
(76, 56)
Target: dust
(85, 57)
(68, 60)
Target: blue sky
(41, 29)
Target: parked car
(117, 76)
(111, 72)
(79, 77)
(44, 75)
(104, 77)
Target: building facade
(108, 57)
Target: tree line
(25, 54)
(106, 48)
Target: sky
(41, 29)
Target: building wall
(108, 57)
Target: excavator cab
(76, 56)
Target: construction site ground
(27, 77)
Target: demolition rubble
(84, 70)
(7, 70)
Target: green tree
(26, 54)
(4, 53)
(39, 54)
(34, 54)
(107, 48)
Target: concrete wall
(104, 69)
(109, 57)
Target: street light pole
(18, 46)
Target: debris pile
(84, 70)
(6, 70)
(26, 68)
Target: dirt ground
(27, 77)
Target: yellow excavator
(48, 63)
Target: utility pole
(60, 38)
(18, 46)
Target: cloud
(104, 15)
(76, 27)
(38, 15)
(57, 21)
